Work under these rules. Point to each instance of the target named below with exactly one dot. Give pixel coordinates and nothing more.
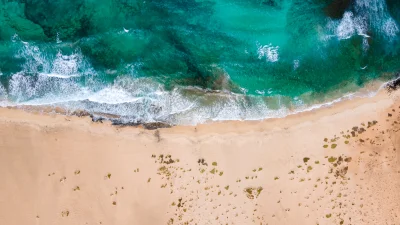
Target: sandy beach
(335, 165)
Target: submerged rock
(337, 8)
(274, 3)
(13, 21)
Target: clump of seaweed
(65, 213)
(202, 162)
(249, 193)
(252, 192)
(166, 159)
(164, 171)
(370, 124)
(62, 180)
(180, 203)
(213, 171)
(332, 159)
(341, 172)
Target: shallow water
(192, 61)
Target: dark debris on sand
(117, 121)
(147, 126)
(393, 85)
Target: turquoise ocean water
(193, 61)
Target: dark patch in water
(394, 9)
(273, 3)
(337, 8)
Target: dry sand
(57, 169)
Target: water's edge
(116, 120)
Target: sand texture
(337, 165)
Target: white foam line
(59, 75)
(280, 113)
(364, 35)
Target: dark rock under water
(336, 8)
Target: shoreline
(370, 89)
(334, 165)
(323, 109)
